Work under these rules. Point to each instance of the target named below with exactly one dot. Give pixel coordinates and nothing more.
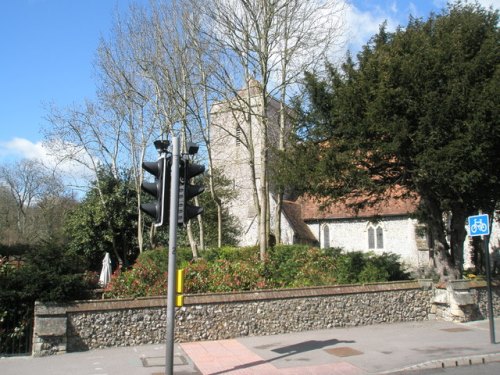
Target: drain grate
(179, 360)
(343, 351)
(457, 329)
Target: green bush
(359, 267)
(145, 278)
(232, 254)
(371, 273)
(349, 267)
(235, 269)
(49, 273)
(298, 265)
(222, 276)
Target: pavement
(378, 349)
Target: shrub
(232, 269)
(146, 278)
(222, 276)
(283, 264)
(349, 267)
(371, 273)
(296, 266)
(231, 253)
(360, 267)
(48, 273)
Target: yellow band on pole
(180, 281)
(179, 300)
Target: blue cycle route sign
(479, 225)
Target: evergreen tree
(418, 110)
(94, 228)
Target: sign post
(479, 226)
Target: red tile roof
(395, 202)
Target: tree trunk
(441, 258)
(264, 193)
(192, 242)
(458, 234)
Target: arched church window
(371, 238)
(375, 236)
(380, 237)
(238, 135)
(326, 237)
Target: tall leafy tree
(418, 110)
(94, 229)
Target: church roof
(293, 213)
(395, 202)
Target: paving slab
(379, 349)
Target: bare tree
(129, 95)
(30, 184)
(90, 136)
(271, 41)
(309, 33)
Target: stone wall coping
(42, 309)
(261, 295)
(465, 284)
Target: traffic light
(160, 189)
(188, 191)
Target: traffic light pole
(172, 248)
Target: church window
(326, 237)
(238, 135)
(371, 238)
(375, 236)
(380, 237)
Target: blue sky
(48, 47)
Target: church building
(385, 227)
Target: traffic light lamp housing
(158, 209)
(188, 191)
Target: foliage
(298, 265)
(48, 273)
(231, 254)
(419, 112)
(145, 278)
(95, 228)
(232, 269)
(51, 273)
(222, 275)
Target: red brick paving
(231, 357)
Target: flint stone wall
(464, 300)
(125, 322)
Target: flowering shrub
(222, 276)
(233, 269)
(144, 279)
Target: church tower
(236, 142)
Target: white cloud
(360, 26)
(440, 4)
(487, 3)
(20, 148)
(394, 7)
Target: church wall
(230, 153)
(399, 237)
